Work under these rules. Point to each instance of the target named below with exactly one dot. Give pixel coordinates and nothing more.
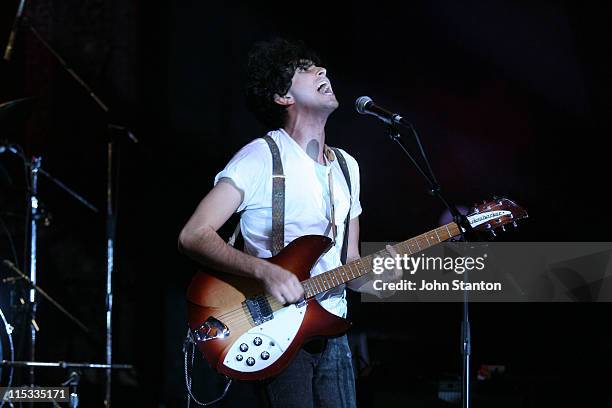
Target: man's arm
(200, 241)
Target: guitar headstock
(494, 214)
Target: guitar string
(240, 311)
(243, 318)
(271, 299)
(238, 317)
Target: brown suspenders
(278, 199)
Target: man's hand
(365, 284)
(282, 284)
(393, 275)
(388, 276)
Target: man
(290, 93)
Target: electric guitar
(246, 334)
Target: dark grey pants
(319, 379)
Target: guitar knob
(257, 341)
(244, 347)
(250, 361)
(239, 357)
(265, 355)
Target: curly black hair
(270, 69)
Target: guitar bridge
(260, 309)
(211, 329)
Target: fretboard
(355, 269)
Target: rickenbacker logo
(477, 219)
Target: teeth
(324, 88)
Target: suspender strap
(278, 198)
(347, 221)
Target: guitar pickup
(260, 309)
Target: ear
(286, 100)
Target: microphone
(8, 51)
(366, 106)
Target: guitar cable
(189, 367)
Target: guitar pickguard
(263, 345)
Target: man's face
(311, 90)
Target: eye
(304, 66)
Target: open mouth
(325, 88)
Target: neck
(309, 133)
(357, 268)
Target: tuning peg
(493, 233)
(514, 224)
(503, 228)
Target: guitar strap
(278, 197)
(278, 201)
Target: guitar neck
(355, 269)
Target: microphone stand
(8, 51)
(73, 380)
(111, 215)
(467, 234)
(40, 290)
(34, 168)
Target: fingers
(278, 293)
(278, 296)
(391, 250)
(284, 286)
(294, 292)
(397, 272)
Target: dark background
(510, 98)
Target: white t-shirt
(307, 202)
